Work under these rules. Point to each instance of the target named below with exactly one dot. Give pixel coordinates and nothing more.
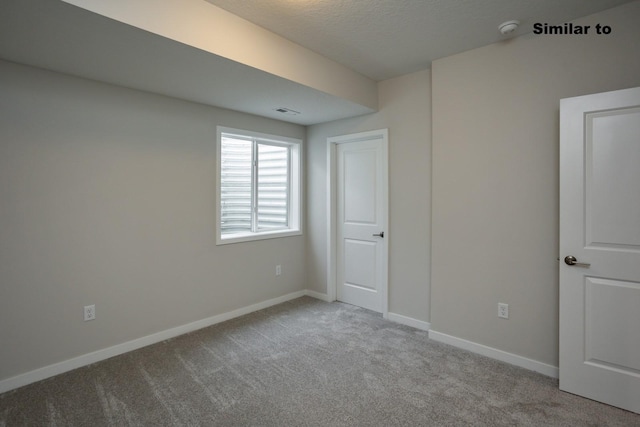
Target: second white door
(600, 247)
(362, 219)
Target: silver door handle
(571, 260)
(381, 234)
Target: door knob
(380, 234)
(571, 260)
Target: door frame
(332, 207)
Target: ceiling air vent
(287, 111)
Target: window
(258, 186)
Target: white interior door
(361, 252)
(600, 228)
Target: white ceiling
(377, 38)
(387, 38)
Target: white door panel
(359, 180)
(613, 175)
(359, 284)
(612, 340)
(358, 268)
(600, 227)
(361, 215)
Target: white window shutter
(236, 185)
(273, 187)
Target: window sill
(249, 237)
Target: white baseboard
(96, 356)
(318, 295)
(409, 321)
(494, 353)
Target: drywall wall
(107, 198)
(191, 22)
(405, 109)
(495, 177)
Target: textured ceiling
(387, 38)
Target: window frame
(295, 187)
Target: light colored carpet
(303, 363)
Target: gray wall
(495, 177)
(107, 198)
(405, 109)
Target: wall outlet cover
(503, 310)
(89, 312)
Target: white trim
(263, 235)
(409, 321)
(332, 250)
(318, 295)
(494, 353)
(106, 353)
(332, 291)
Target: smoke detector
(508, 27)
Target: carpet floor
(303, 363)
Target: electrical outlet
(278, 270)
(503, 310)
(89, 312)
